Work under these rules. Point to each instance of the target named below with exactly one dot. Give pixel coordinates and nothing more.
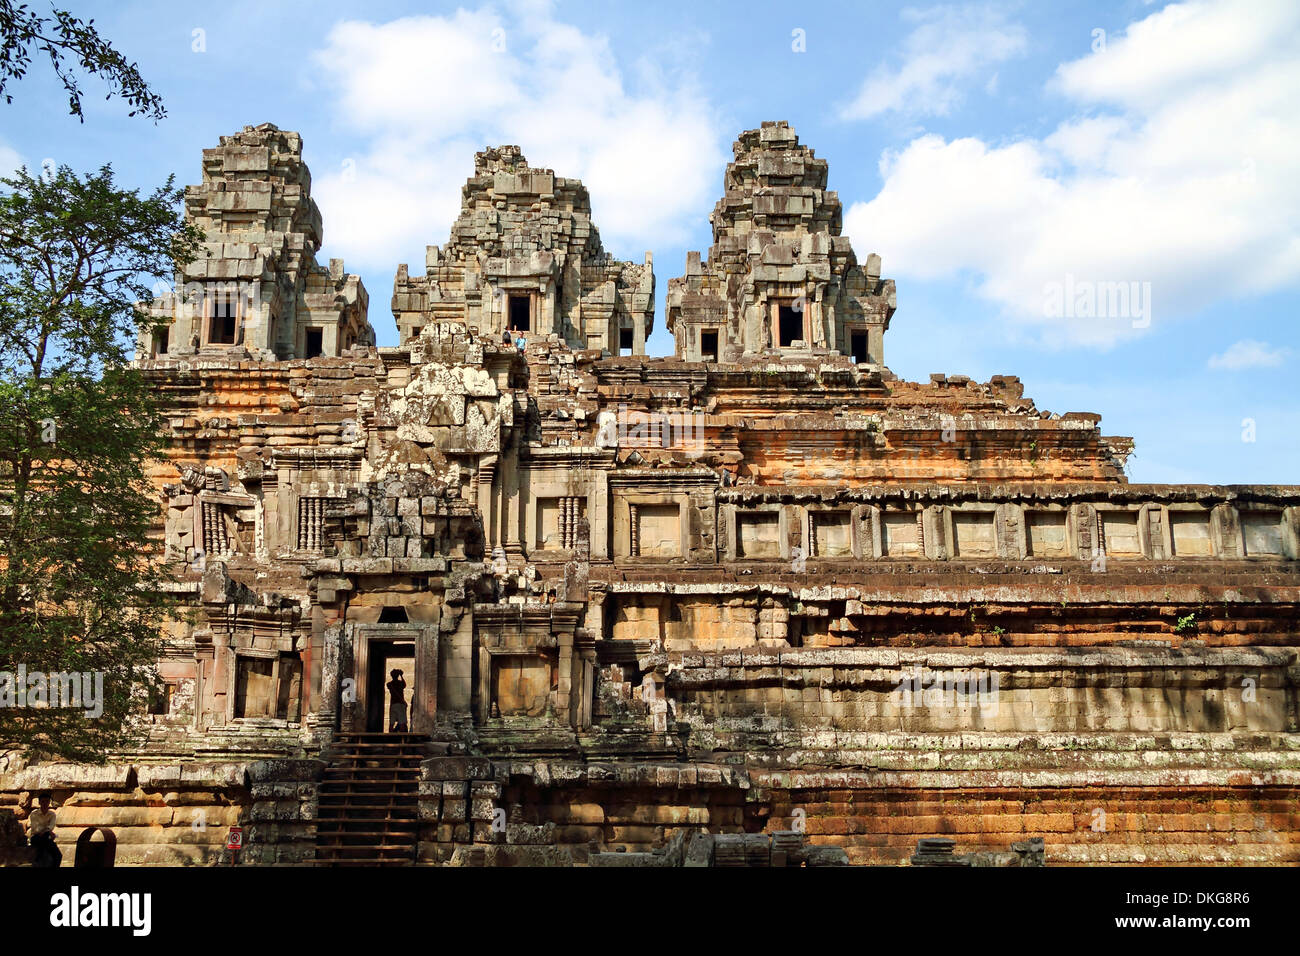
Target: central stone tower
(524, 255)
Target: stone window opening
(625, 340)
(315, 343)
(267, 685)
(709, 345)
(571, 510)
(223, 324)
(789, 325)
(858, 346)
(254, 686)
(311, 524)
(520, 314)
(393, 615)
(161, 335)
(216, 537)
(160, 700)
(557, 522)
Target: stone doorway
(384, 657)
(369, 652)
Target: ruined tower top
(256, 285)
(525, 255)
(780, 281)
(776, 183)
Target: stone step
(342, 824)
(368, 811)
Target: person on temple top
(520, 342)
(507, 336)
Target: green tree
(65, 41)
(79, 587)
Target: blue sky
(989, 152)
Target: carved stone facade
(771, 589)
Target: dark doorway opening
(221, 330)
(709, 345)
(96, 848)
(789, 325)
(624, 341)
(384, 657)
(520, 312)
(315, 340)
(160, 337)
(858, 345)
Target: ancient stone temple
(758, 603)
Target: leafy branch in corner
(69, 43)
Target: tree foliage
(79, 590)
(69, 42)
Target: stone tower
(780, 279)
(524, 254)
(256, 285)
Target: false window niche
(758, 534)
(830, 534)
(1262, 532)
(1189, 532)
(1119, 534)
(1045, 534)
(974, 534)
(902, 534)
(655, 530)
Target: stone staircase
(369, 800)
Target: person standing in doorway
(40, 833)
(396, 703)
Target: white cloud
(948, 46)
(427, 92)
(10, 160)
(1186, 183)
(1249, 353)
